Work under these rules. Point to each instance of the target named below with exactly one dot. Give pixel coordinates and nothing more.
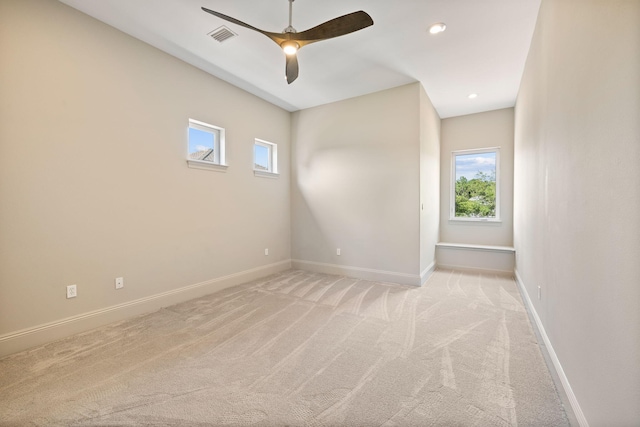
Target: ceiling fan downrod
(290, 29)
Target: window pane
(261, 157)
(201, 145)
(475, 190)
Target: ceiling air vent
(222, 34)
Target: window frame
(452, 185)
(272, 155)
(219, 145)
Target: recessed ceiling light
(438, 27)
(473, 96)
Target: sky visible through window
(468, 165)
(261, 156)
(200, 140)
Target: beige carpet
(299, 348)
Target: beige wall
(429, 182)
(482, 130)
(577, 204)
(356, 183)
(93, 179)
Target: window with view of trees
(475, 184)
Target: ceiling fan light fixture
(290, 47)
(437, 28)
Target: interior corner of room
(95, 186)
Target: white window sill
(265, 174)
(475, 220)
(483, 248)
(199, 164)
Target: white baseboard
(426, 273)
(474, 269)
(358, 272)
(573, 401)
(26, 338)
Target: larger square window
(475, 185)
(206, 148)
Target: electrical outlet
(119, 282)
(338, 251)
(72, 291)
(539, 292)
(266, 251)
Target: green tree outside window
(475, 185)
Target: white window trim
(452, 190)
(219, 163)
(265, 174)
(199, 164)
(273, 159)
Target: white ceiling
(482, 51)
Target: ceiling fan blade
(334, 28)
(276, 37)
(291, 68)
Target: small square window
(206, 148)
(262, 157)
(475, 185)
(265, 158)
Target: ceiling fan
(290, 40)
